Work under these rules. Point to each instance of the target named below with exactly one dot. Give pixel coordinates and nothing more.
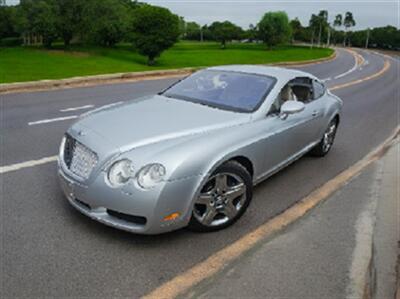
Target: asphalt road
(49, 249)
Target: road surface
(50, 249)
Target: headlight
(151, 175)
(120, 173)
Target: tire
(326, 143)
(220, 204)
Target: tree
(70, 17)
(40, 17)
(8, 22)
(319, 23)
(225, 32)
(182, 27)
(297, 29)
(205, 33)
(192, 31)
(337, 23)
(323, 23)
(274, 28)
(155, 30)
(348, 22)
(387, 37)
(251, 33)
(313, 25)
(105, 22)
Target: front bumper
(130, 208)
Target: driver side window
(286, 94)
(299, 89)
(303, 89)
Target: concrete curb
(371, 284)
(123, 77)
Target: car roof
(282, 74)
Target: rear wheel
(223, 199)
(324, 146)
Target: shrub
(155, 29)
(11, 42)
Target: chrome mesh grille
(78, 158)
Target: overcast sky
(366, 13)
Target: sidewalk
(345, 248)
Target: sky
(366, 13)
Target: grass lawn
(29, 63)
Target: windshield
(227, 90)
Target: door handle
(314, 113)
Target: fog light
(173, 216)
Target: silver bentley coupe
(191, 154)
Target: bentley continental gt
(191, 154)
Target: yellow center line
(359, 58)
(386, 66)
(217, 261)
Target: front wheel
(223, 199)
(324, 146)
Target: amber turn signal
(173, 216)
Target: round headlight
(120, 173)
(150, 175)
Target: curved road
(49, 249)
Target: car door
(309, 120)
(319, 109)
(290, 136)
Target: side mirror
(291, 107)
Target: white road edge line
(349, 71)
(77, 108)
(50, 120)
(27, 164)
(345, 73)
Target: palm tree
(296, 28)
(323, 21)
(348, 22)
(314, 22)
(337, 23)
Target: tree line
(153, 29)
(322, 32)
(274, 29)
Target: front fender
(202, 155)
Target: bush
(225, 31)
(274, 28)
(155, 29)
(11, 42)
(105, 22)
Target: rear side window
(319, 89)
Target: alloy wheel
(329, 137)
(220, 200)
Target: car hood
(155, 119)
